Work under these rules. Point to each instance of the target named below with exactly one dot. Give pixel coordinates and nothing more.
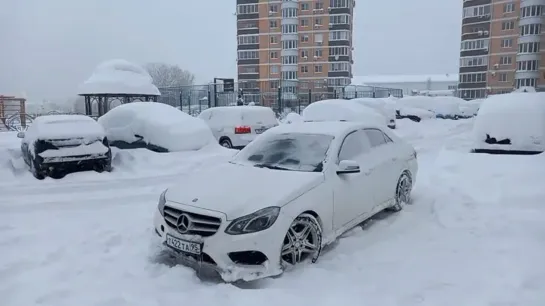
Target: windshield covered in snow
(290, 151)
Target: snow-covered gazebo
(117, 81)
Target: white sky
(48, 47)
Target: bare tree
(165, 75)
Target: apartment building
(502, 47)
(292, 42)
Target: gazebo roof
(119, 78)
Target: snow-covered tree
(165, 75)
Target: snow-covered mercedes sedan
(286, 195)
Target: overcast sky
(48, 47)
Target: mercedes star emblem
(183, 223)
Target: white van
(237, 126)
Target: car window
(353, 145)
(376, 137)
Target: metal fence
(281, 96)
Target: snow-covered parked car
(292, 191)
(511, 123)
(237, 126)
(470, 108)
(442, 107)
(341, 110)
(156, 126)
(413, 113)
(57, 144)
(382, 106)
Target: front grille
(198, 224)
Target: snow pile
(341, 110)
(293, 118)
(511, 122)
(470, 108)
(119, 77)
(157, 124)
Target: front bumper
(229, 255)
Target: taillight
(243, 130)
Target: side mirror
(21, 135)
(348, 166)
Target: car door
(352, 194)
(385, 161)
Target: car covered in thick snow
(237, 126)
(56, 144)
(292, 191)
(382, 106)
(341, 110)
(413, 113)
(156, 126)
(511, 123)
(442, 107)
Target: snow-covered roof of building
(119, 77)
(386, 79)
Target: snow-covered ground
(475, 235)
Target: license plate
(184, 246)
(259, 131)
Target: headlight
(162, 201)
(258, 221)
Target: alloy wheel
(302, 241)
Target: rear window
(259, 116)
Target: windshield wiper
(271, 167)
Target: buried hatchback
(287, 194)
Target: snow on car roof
(332, 128)
(239, 108)
(45, 119)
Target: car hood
(238, 190)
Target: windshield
(290, 151)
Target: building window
(530, 29)
(318, 21)
(289, 28)
(526, 83)
(289, 13)
(509, 7)
(304, 69)
(305, 6)
(289, 44)
(339, 19)
(247, 9)
(318, 53)
(532, 47)
(507, 25)
(472, 93)
(274, 54)
(531, 11)
(341, 51)
(336, 82)
(339, 3)
(343, 66)
(248, 40)
(304, 22)
(304, 54)
(249, 70)
(528, 65)
(289, 75)
(476, 44)
(503, 77)
(506, 60)
(274, 70)
(473, 61)
(244, 55)
(289, 60)
(318, 69)
(475, 77)
(507, 43)
(248, 24)
(273, 24)
(477, 11)
(339, 35)
(273, 8)
(274, 40)
(304, 38)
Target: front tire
(403, 192)
(302, 241)
(35, 170)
